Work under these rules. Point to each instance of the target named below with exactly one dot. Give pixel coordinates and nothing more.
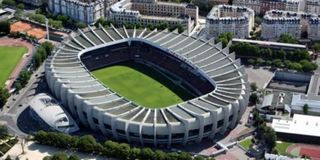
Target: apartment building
(154, 12)
(234, 19)
(277, 22)
(262, 6)
(83, 10)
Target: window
(95, 120)
(207, 128)
(193, 132)
(178, 135)
(107, 126)
(220, 123)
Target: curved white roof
(50, 111)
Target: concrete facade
(101, 109)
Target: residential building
(262, 6)
(84, 11)
(154, 12)
(312, 6)
(225, 18)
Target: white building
(234, 19)
(299, 128)
(154, 12)
(47, 111)
(84, 11)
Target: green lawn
(246, 143)
(9, 57)
(282, 147)
(142, 84)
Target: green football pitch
(142, 84)
(9, 58)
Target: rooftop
(299, 124)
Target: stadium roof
(299, 124)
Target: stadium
(92, 71)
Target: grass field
(142, 84)
(282, 146)
(9, 57)
(246, 144)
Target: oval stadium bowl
(217, 80)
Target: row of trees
(298, 60)
(61, 156)
(43, 51)
(88, 144)
(58, 21)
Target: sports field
(9, 58)
(142, 84)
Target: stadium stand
(213, 74)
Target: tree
(316, 47)
(224, 38)
(147, 154)
(5, 27)
(3, 130)
(123, 151)
(60, 156)
(135, 153)
(20, 6)
(257, 20)
(4, 95)
(259, 61)
(160, 155)
(269, 137)
(308, 66)
(251, 61)
(184, 156)
(253, 87)
(287, 38)
(305, 108)
(277, 63)
(253, 98)
(9, 2)
(73, 157)
(81, 25)
(87, 143)
(24, 77)
(199, 158)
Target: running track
(25, 58)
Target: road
(17, 103)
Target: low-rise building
(301, 128)
(83, 10)
(234, 19)
(154, 12)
